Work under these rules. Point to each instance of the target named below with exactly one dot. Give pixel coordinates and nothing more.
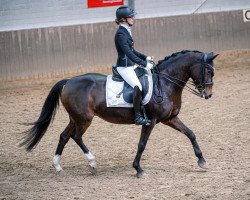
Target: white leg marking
(91, 159)
(56, 162)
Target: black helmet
(124, 12)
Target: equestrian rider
(128, 57)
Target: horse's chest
(176, 106)
(173, 110)
(167, 109)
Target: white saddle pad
(114, 88)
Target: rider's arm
(122, 42)
(140, 55)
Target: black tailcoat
(127, 56)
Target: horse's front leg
(177, 124)
(145, 133)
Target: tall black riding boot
(137, 98)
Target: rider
(128, 57)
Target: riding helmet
(124, 12)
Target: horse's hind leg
(77, 137)
(64, 138)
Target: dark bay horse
(84, 97)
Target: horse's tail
(35, 134)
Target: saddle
(120, 94)
(127, 89)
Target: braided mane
(177, 53)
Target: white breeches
(129, 75)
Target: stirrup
(142, 121)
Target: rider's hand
(149, 65)
(149, 58)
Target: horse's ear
(215, 56)
(211, 56)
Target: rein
(185, 85)
(157, 74)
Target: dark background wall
(46, 52)
(28, 14)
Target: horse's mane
(177, 53)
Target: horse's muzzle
(208, 92)
(207, 96)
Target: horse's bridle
(203, 84)
(185, 85)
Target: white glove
(149, 58)
(149, 66)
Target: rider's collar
(127, 27)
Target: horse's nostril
(208, 96)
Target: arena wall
(64, 50)
(26, 14)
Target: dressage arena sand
(221, 125)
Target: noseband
(158, 98)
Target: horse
(83, 97)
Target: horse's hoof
(140, 174)
(60, 173)
(92, 170)
(202, 163)
(58, 168)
